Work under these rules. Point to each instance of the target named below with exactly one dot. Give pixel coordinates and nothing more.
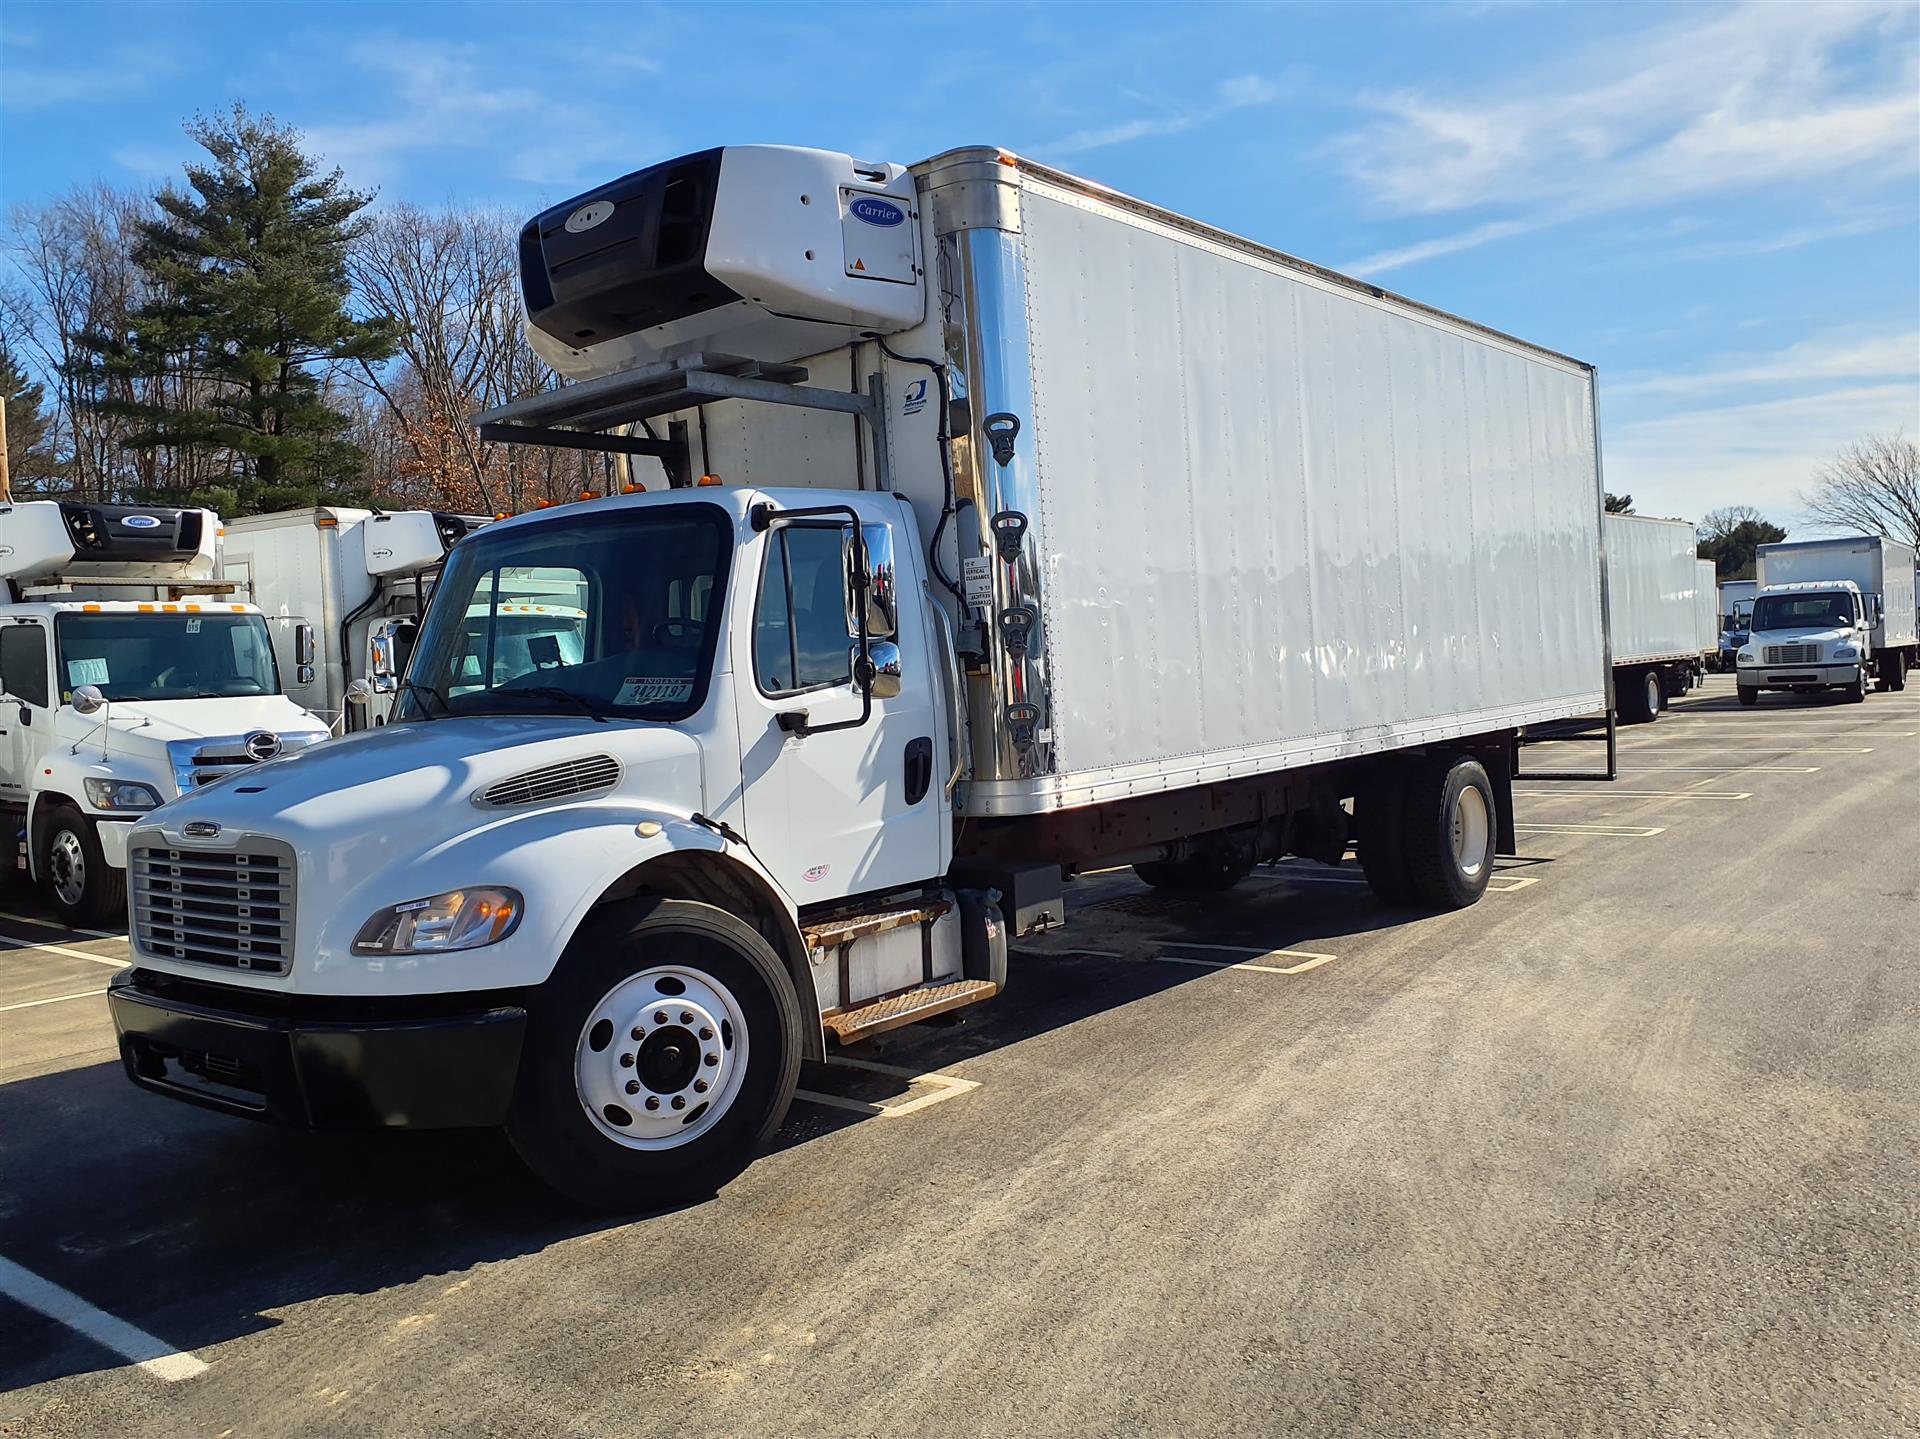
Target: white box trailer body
(346, 572)
(1655, 611)
(1113, 538)
(1706, 598)
(1732, 593)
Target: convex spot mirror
(359, 692)
(880, 670)
(88, 699)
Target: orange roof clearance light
(706, 480)
(634, 487)
(588, 495)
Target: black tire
(1749, 694)
(1436, 803)
(63, 837)
(1380, 838)
(1893, 669)
(1640, 698)
(548, 1124)
(1856, 693)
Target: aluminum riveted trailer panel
(1707, 606)
(1653, 573)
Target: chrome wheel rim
(1472, 832)
(67, 867)
(661, 1058)
(1653, 694)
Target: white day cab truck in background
(1036, 529)
(128, 675)
(1661, 621)
(1830, 614)
(359, 579)
(1736, 610)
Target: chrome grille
(585, 775)
(1793, 654)
(226, 907)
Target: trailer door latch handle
(1000, 429)
(1016, 628)
(1021, 720)
(1009, 530)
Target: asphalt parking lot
(1633, 1146)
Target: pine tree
(31, 461)
(248, 277)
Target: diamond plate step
(851, 1025)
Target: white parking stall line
(69, 928)
(56, 999)
(1308, 959)
(1729, 768)
(1609, 792)
(944, 1086)
(1760, 748)
(13, 941)
(135, 1345)
(1615, 831)
(1513, 882)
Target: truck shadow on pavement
(196, 1226)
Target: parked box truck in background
(1654, 612)
(358, 577)
(129, 674)
(1831, 614)
(991, 578)
(1706, 599)
(1736, 608)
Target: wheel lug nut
(705, 1033)
(653, 1102)
(686, 1017)
(626, 1061)
(711, 1060)
(659, 1016)
(638, 1032)
(679, 1101)
(699, 1086)
(633, 1086)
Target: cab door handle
(919, 769)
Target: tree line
(258, 338)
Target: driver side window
(23, 664)
(800, 635)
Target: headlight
(1846, 652)
(458, 919)
(1746, 657)
(121, 794)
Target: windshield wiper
(426, 689)
(554, 692)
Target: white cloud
(1797, 238)
(1821, 359)
(1241, 92)
(1445, 245)
(40, 84)
(1761, 453)
(1746, 98)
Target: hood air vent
(586, 775)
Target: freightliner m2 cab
(1806, 638)
(954, 576)
(128, 676)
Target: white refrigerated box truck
(1035, 529)
(129, 675)
(1656, 612)
(358, 578)
(1706, 601)
(1831, 614)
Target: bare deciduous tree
(1871, 487)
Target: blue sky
(1718, 205)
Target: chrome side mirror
(303, 674)
(382, 654)
(303, 650)
(359, 692)
(879, 672)
(882, 599)
(88, 700)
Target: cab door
(26, 718)
(836, 808)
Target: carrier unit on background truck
(1656, 612)
(129, 674)
(359, 578)
(1831, 614)
(987, 578)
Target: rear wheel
(1450, 829)
(1641, 698)
(74, 874)
(1894, 671)
(659, 1058)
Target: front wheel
(1856, 692)
(1749, 695)
(74, 874)
(659, 1058)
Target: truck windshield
(610, 612)
(1814, 611)
(166, 656)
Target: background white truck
(1658, 610)
(1736, 608)
(998, 578)
(1831, 614)
(128, 675)
(359, 578)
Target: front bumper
(324, 1064)
(1798, 677)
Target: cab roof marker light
(706, 480)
